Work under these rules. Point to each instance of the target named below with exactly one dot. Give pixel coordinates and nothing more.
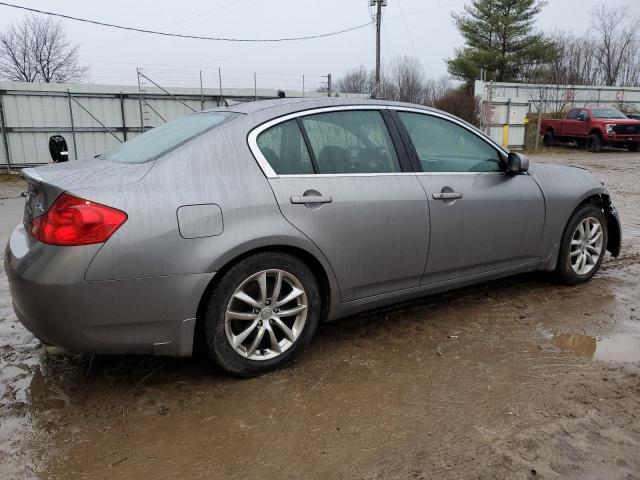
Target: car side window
(284, 148)
(573, 114)
(583, 115)
(443, 146)
(354, 141)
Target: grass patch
(11, 178)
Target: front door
(482, 219)
(571, 124)
(344, 188)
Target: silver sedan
(238, 230)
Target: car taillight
(76, 221)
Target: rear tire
(594, 143)
(578, 243)
(549, 139)
(247, 332)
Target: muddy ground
(518, 379)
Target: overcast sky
(421, 28)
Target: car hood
(564, 178)
(557, 168)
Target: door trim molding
(269, 172)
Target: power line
(199, 15)
(404, 18)
(425, 10)
(196, 37)
(135, 39)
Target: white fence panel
(33, 112)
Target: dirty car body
(404, 222)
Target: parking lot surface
(517, 378)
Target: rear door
(340, 176)
(482, 219)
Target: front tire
(594, 143)
(584, 244)
(634, 147)
(262, 313)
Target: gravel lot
(519, 378)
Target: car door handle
(447, 195)
(311, 199)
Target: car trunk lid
(47, 183)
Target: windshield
(159, 141)
(607, 113)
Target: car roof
(258, 112)
(261, 111)
(291, 105)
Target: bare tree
(574, 64)
(435, 89)
(404, 80)
(37, 50)
(629, 74)
(615, 41)
(407, 80)
(607, 54)
(358, 80)
(16, 57)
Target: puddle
(612, 348)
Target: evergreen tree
(499, 36)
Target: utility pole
(378, 4)
(328, 85)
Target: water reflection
(621, 347)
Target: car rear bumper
(52, 299)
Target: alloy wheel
(586, 246)
(266, 314)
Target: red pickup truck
(593, 127)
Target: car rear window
(160, 141)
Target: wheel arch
(319, 266)
(601, 199)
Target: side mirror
(517, 163)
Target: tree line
(500, 39)
(608, 54)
